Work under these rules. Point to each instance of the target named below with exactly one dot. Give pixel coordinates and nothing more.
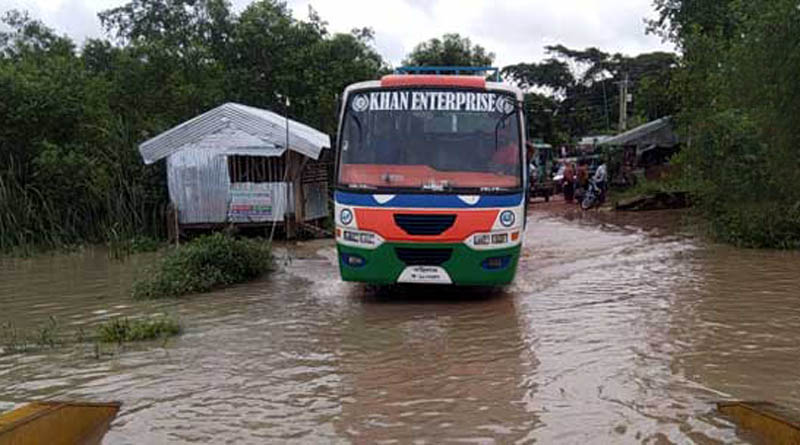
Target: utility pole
(605, 106)
(623, 103)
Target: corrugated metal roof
(252, 127)
(630, 136)
(594, 140)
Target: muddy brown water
(617, 330)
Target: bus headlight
(499, 238)
(493, 240)
(482, 239)
(507, 218)
(346, 216)
(358, 238)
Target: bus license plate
(424, 274)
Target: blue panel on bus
(437, 201)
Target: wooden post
(173, 224)
(300, 195)
(289, 219)
(177, 228)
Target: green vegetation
(739, 95)
(576, 91)
(71, 118)
(14, 340)
(123, 330)
(121, 248)
(205, 263)
(50, 335)
(450, 50)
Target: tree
(738, 91)
(582, 84)
(70, 120)
(552, 74)
(450, 50)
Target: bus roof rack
(449, 70)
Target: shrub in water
(205, 263)
(121, 330)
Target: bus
(431, 179)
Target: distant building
(584, 146)
(238, 164)
(647, 146)
(653, 142)
(593, 141)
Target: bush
(741, 131)
(206, 263)
(757, 225)
(121, 330)
(743, 187)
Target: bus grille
(430, 225)
(423, 257)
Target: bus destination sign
(432, 101)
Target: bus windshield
(431, 140)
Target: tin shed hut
(240, 164)
(651, 143)
(646, 148)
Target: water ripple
(612, 333)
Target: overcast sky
(515, 30)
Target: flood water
(617, 330)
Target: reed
(113, 198)
(14, 340)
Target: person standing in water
(569, 182)
(600, 179)
(582, 180)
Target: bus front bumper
(464, 266)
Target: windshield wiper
(501, 121)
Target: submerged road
(617, 330)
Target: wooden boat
(57, 423)
(773, 423)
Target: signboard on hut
(250, 202)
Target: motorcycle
(593, 196)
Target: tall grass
(69, 196)
(26, 219)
